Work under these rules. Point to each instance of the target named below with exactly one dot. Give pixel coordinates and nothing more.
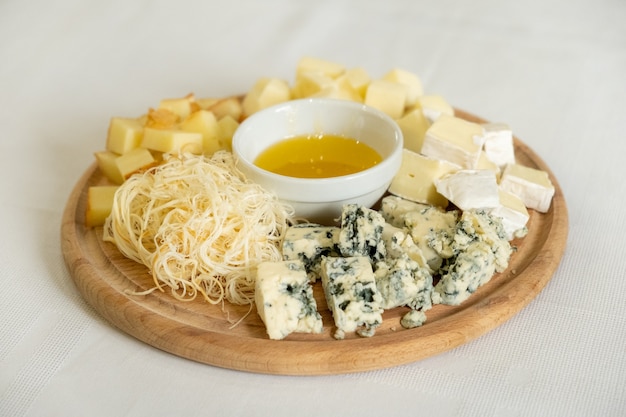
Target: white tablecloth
(554, 70)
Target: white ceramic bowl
(321, 199)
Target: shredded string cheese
(199, 226)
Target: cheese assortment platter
(237, 333)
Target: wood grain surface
(206, 333)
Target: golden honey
(317, 156)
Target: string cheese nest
(199, 226)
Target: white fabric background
(555, 70)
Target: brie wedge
(470, 189)
(532, 185)
(455, 140)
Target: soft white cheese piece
(513, 213)
(361, 232)
(434, 106)
(469, 189)
(308, 242)
(498, 146)
(284, 299)
(532, 185)
(433, 229)
(351, 294)
(455, 140)
(415, 179)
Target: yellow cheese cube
(387, 96)
(310, 83)
(205, 103)
(124, 134)
(337, 93)
(411, 81)
(434, 106)
(204, 122)
(227, 107)
(311, 64)
(415, 181)
(99, 204)
(226, 127)
(413, 125)
(170, 140)
(182, 107)
(265, 93)
(134, 161)
(354, 79)
(108, 166)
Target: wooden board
(205, 333)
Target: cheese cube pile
(177, 125)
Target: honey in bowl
(317, 156)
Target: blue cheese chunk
(469, 270)
(479, 225)
(308, 242)
(361, 233)
(351, 294)
(398, 243)
(413, 318)
(393, 209)
(402, 282)
(433, 230)
(284, 299)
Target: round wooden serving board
(206, 333)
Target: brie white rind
(499, 147)
(513, 213)
(415, 178)
(455, 140)
(284, 299)
(470, 189)
(351, 294)
(531, 185)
